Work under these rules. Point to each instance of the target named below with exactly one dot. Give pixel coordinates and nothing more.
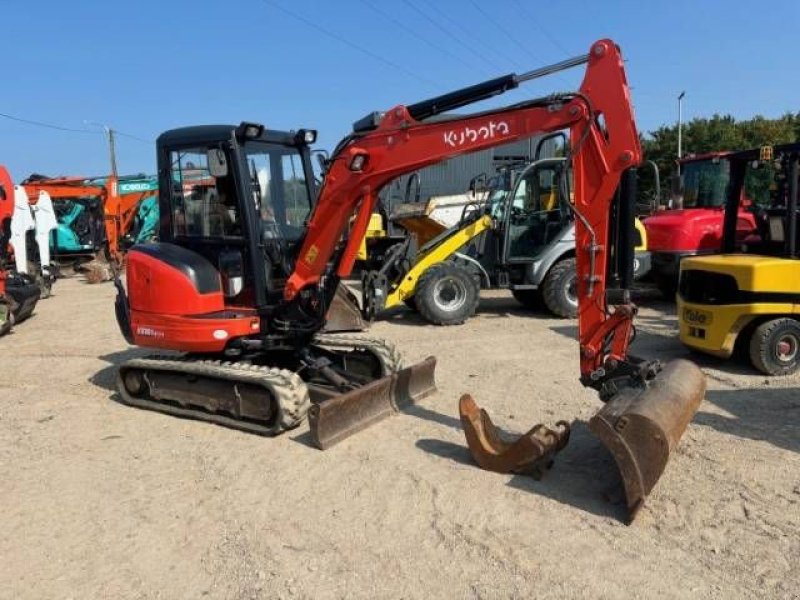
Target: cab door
(537, 211)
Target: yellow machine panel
(752, 272)
(714, 328)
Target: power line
(406, 28)
(47, 125)
(502, 29)
(133, 137)
(347, 42)
(544, 31)
(507, 58)
(69, 129)
(449, 34)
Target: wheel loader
(748, 297)
(518, 234)
(241, 278)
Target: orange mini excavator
(250, 256)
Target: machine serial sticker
(311, 255)
(149, 332)
(466, 135)
(697, 317)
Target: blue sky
(146, 66)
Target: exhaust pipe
(641, 427)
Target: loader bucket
(339, 417)
(344, 313)
(531, 453)
(640, 427)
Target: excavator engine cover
(642, 426)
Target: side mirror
(322, 160)
(217, 163)
(676, 191)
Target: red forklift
(691, 224)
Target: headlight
(306, 136)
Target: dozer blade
(339, 417)
(531, 453)
(641, 427)
(344, 313)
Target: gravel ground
(102, 500)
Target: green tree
(717, 133)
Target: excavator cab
(239, 198)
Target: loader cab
(237, 199)
(536, 212)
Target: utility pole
(112, 145)
(680, 128)
(112, 150)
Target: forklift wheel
(775, 347)
(447, 294)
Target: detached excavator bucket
(339, 417)
(531, 453)
(344, 313)
(642, 427)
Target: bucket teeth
(531, 453)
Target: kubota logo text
(459, 137)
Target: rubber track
(386, 352)
(285, 386)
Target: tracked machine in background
(19, 292)
(242, 276)
(97, 219)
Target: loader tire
(560, 289)
(447, 294)
(775, 347)
(531, 299)
(411, 303)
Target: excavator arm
(646, 409)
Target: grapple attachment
(341, 416)
(531, 453)
(641, 426)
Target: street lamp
(112, 149)
(680, 126)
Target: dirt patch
(102, 500)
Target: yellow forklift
(748, 297)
